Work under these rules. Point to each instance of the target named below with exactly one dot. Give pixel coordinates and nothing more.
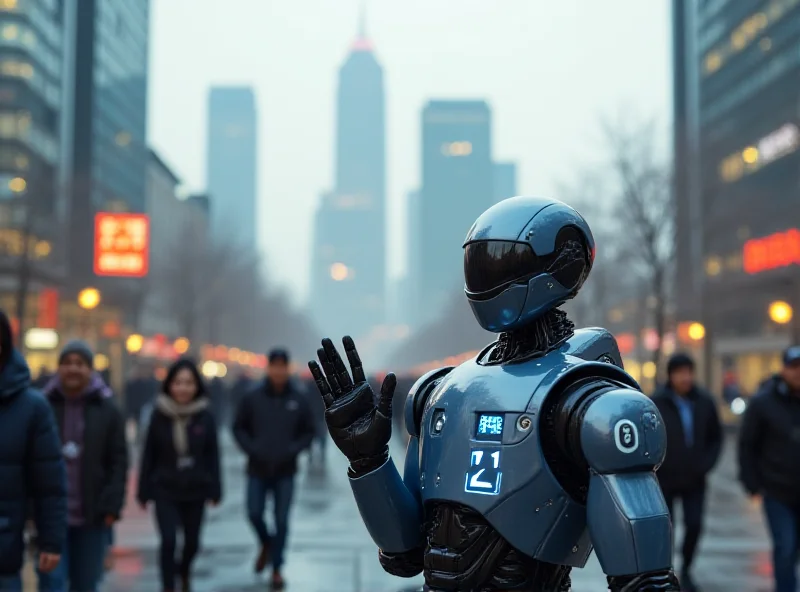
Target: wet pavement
(330, 551)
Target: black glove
(360, 427)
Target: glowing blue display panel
(490, 427)
(484, 475)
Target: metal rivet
(438, 479)
(524, 423)
(574, 549)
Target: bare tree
(645, 213)
(217, 293)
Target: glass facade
(119, 151)
(232, 165)
(744, 60)
(457, 186)
(31, 79)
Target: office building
(166, 213)
(349, 250)
(231, 165)
(505, 180)
(35, 119)
(457, 186)
(737, 151)
(110, 152)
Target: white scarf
(180, 415)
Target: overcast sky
(549, 69)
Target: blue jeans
(784, 526)
(282, 489)
(81, 565)
(11, 584)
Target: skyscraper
(505, 180)
(35, 140)
(457, 186)
(349, 253)
(110, 124)
(231, 165)
(737, 154)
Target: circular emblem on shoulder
(626, 436)
(607, 360)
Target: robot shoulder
(621, 431)
(418, 396)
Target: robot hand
(359, 427)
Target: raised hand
(359, 425)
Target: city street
(330, 550)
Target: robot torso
(481, 448)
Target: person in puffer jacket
(32, 473)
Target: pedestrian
(180, 468)
(769, 464)
(31, 470)
(273, 425)
(694, 443)
(96, 455)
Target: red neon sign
(121, 245)
(775, 251)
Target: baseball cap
(791, 356)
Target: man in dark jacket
(769, 463)
(694, 442)
(96, 455)
(31, 468)
(273, 425)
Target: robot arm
(409, 563)
(623, 441)
(391, 507)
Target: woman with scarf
(180, 469)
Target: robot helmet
(523, 257)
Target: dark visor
(489, 265)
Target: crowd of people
(768, 459)
(64, 462)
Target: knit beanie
(76, 346)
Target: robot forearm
(390, 512)
(631, 531)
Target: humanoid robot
(526, 458)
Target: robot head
(523, 257)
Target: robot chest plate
(479, 436)
(480, 447)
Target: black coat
(31, 468)
(104, 458)
(160, 477)
(685, 468)
(273, 429)
(769, 443)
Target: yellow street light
(750, 155)
(134, 343)
(781, 312)
(89, 298)
(101, 362)
(17, 184)
(181, 345)
(696, 332)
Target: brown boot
(263, 558)
(277, 583)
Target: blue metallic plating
(539, 450)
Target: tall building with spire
(349, 252)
